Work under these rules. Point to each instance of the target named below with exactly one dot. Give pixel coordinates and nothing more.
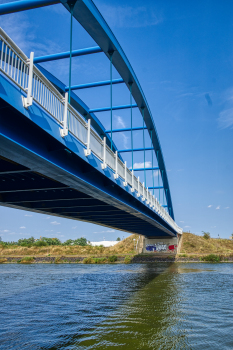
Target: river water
(138, 306)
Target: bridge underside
(41, 172)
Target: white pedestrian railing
(18, 68)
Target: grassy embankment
(211, 249)
(193, 247)
(98, 254)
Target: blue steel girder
(87, 14)
(46, 171)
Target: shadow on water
(86, 307)
(60, 306)
(147, 320)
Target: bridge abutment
(159, 245)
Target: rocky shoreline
(137, 259)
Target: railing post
(116, 168)
(132, 188)
(104, 165)
(147, 196)
(27, 101)
(125, 182)
(138, 194)
(143, 192)
(87, 151)
(64, 131)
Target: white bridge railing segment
(18, 68)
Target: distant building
(104, 243)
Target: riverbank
(193, 249)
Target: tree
(80, 241)
(206, 235)
(51, 241)
(118, 239)
(26, 242)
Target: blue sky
(182, 54)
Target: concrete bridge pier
(159, 245)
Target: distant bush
(128, 259)
(51, 241)
(26, 260)
(206, 235)
(95, 260)
(40, 244)
(112, 258)
(211, 258)
(118, 239)
(79, 241)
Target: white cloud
(225, 119)
(49, 230)
(218, 207)
(187, 226)
(141, 165)
(22, 227)
(55, 223)
(182, 221)
(27, 215)
(120, 122)
(131, 17)
(74, 227)
(48, 217)
(4, 230)
(227, 207)
(58, 232)
(209, 206)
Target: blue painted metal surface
(80, 106)
(92, 21)
(142, 169)
(58, 182)
(23, 5)
(125, 129)
(99, 29)
(105, 109)
(61, 55)
(135, 150)
(155, 188)
(91, 85)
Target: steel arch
(87, 14)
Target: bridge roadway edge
(36, 119)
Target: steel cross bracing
(24, 73)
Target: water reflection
(162, 306)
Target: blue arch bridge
(55, 155)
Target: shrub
(57, 260)
(3, 260)
(206, 235)
(118, 239)
(26, 260)
(87, 261)
(128, 259)
(25, 242)
(40, 244)
(211, 258)
(51, 241)
(112, 258)
(94, 260)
